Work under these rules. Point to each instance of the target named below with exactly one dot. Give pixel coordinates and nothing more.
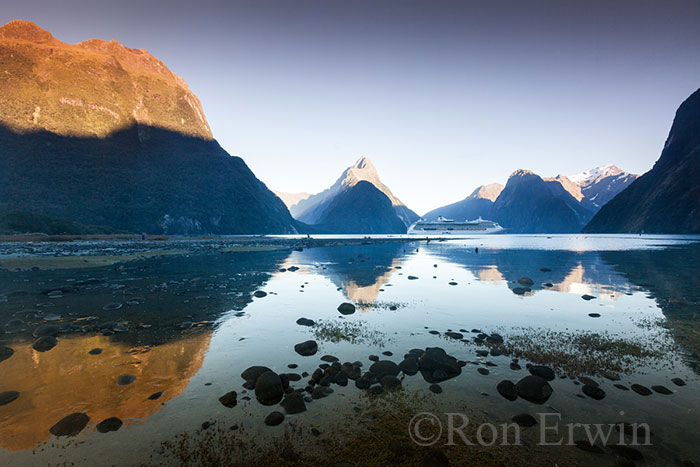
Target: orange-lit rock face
(92, 88)
(67, 379)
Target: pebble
(109, 424)
(70, 425)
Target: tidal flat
(320, 351)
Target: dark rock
(307, 348)
(435, 358)
(524, 420)
(305, 322)
(5, 353)
(294, 403)
(662, 389)
(409, 365)
(70, 425)
(588, 381)
(95, 351)
(435, 388)
(587, 297)
(454, 335)
(483, 371)
(586, 445)
(526, 281)
(274, 419)
(534, 389)
(253, 373)
(543, 372)
(346, 308)
(641, 390)
(321, 392)
(269, 389)
(125, 380)
(259, 294)
(621, 386)
(8, 396)
(329, 358)
(412, 278)
(515, 366)
(375, 390)
(230, 399)
(390, 382)
(676, 381)
(507, 389)
(382, 368)
(45, 343)
(626, 451)
(593, 392)
(155, 396)
(109, 424)
(520, 290)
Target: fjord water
(188, 324)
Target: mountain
(528, 204)
(290, 199)
(360, 209)
(312, 209)
(478, 204)
(667, 198)
(595, 187)
(103, 135)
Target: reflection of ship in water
(360, 271)
(67, 379)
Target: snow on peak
(588, 176)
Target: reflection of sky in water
(266, 332)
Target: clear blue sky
(441, 96)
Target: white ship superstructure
(443, 226)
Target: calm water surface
(187, 325)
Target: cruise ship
(443, 226)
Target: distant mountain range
(530, 204)
(96, 137)
(667, 198)
(326, 210)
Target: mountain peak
(521, 173)
(590, 175)
(490, 191)
(363, 163)
(26, 31)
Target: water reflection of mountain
(359, 270)
(566, 271)
(67, 379)
(155, 299)
(671, 276)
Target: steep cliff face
(667, 198)
(104, 135)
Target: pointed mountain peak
(489, 192)
(588, 176)
(25, 31)
(521, 173)
(363, 163)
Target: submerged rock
(305, 322)
(524, 420)
(542, 371)
(307, 348)
(155, 396)
(383, 368)
(534, 389)
(5, 352)
(436, 365)
(293, 403)
(593, 392)
(45, 343)
(125, 380)
(70, 425)
(253, 373)
(526, 281)
(8, 397)
(662, 389)
(95, 351)
(507, 389)
(274, 419)
(269, 389)
(641, 390)
(259, 294)
(109, 424)
(676, 381)
(346, 308)
(230, 399)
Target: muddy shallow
(184, 324)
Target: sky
(442, 96)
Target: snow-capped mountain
(595, 187)
(588, 176)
